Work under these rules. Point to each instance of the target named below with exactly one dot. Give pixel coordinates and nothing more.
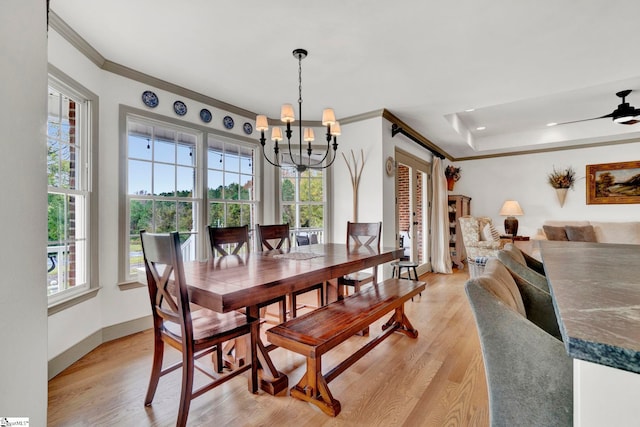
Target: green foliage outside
(310, 199)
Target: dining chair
(276, 236)
(529, 373)
(228, 240)
(362, 234)
(195, 333)
(302, 240)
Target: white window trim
(70, 297)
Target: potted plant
(561, 181)
(452, 174)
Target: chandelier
(300, 162)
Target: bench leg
(313, 388)
(401, 323)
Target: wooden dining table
(234, 282)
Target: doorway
(413, 194)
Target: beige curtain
(440, 257)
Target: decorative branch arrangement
(356, 173)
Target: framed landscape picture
(610, 183)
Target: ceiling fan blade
(630, 122)
(586, 120)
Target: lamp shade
(511, 208)
(276, 134)
(308, 135)
(335, 129)
(286, 113)
(328, 117)
(262, 123)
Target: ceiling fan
(625, 114)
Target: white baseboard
(75, 353)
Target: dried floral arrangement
(452, 172)
(562, 179)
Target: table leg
(271, 380)
(332, 290)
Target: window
(162, 188)
(69, 163)
(175, 182)
(231, 183)
(302, 200)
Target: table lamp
(510, 209)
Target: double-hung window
(231, 184)
(69, 164)
(182, 178)
(302, 201)
(163, 190)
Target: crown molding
(75, 39)
(415, 136)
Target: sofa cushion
(498, 281)
(617, 232)
(580, 234)
(555, 233)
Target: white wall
(524, 178)
(359, 137)
(23, 322)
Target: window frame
(67, 86)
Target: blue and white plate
(150, 99)
(248, 129)
(180, 108)
(228, 122)
(205, 115)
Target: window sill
(125, 286)
(75, 300)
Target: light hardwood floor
(436, 380)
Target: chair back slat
(165, 280)
(221, 239)
(273, 236)
(363, 234)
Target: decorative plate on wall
(150, 99)
(228, 122)
(205, 115)
(248, 129)
(180, 108)
(389, 166)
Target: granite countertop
(596, 295)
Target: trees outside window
(302, 200)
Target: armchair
(475, 246)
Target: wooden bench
(315, 333)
